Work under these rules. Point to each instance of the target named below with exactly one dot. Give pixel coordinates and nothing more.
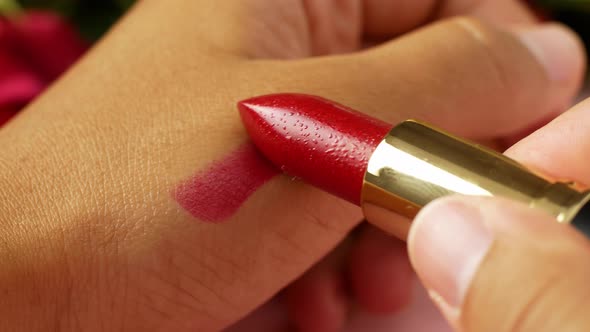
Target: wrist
(37, 274)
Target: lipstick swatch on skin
(217, 193)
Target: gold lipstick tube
(416, 164)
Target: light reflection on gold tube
(416, 164)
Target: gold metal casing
(416, 164)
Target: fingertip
(465, 250)
(560, 52)
(318, 301)
(448, 241)
(544, 149)
(380, 273)
(557, 48)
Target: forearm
(37, 259)
(92, 166)
(86, 176)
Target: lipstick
(394, 170)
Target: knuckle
(499, 58)
(552, 294)
(523, 303)
(485, 42)
(472, 25)
(533, 303)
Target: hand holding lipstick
(131, 201)
(493, 265)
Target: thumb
(494, 265)
(465, 76)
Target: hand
(90, 231)
(511, 268)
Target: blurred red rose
(35, 48)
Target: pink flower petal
(5, 116)
(18, 83)
(48, 43)
(18, 90)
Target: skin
(549, 289)
(90, 238)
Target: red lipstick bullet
(327, 144)
(393, 171)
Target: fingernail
(447, 243)
(557, 48)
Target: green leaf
(8, 7)
(581, 5)
(125, 4)
(94, 18)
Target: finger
(339, 26)
(383, 18)
(380, 273)
(465, 250)
(462, 75)
(334, 26)
(318, 301)
(325, 27)
(510, 140)
(560, 149)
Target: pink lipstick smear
(217, 193)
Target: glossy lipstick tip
(324, 143)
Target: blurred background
(40, 39)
